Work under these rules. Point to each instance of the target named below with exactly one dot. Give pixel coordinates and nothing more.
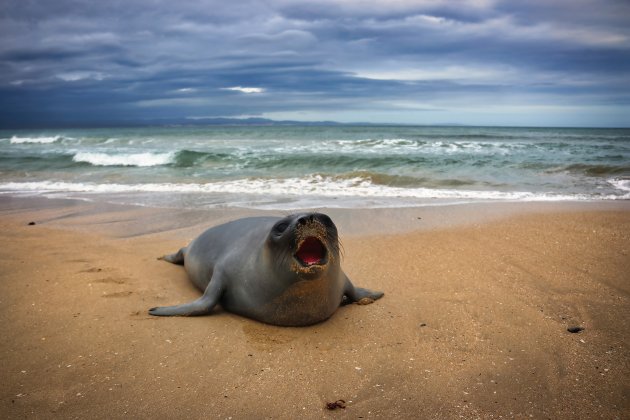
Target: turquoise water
(303, 167)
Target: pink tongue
(311, 251)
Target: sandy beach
(473, 324)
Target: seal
(281, 271)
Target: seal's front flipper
(201, 306)
(176, 258)
(358, 294)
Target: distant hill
(269, 122)
(196, 122)
(253, 121)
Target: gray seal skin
(281, 271)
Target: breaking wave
(622, 184)
(36, 140)
(131, 159)
(317, 185)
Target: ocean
(301, 167)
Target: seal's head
(307, 242)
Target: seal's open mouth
(311, 252)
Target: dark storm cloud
(140, 60)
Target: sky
(473, 62)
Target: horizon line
(261, 122)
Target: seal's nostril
(302, 220)
(325, 220)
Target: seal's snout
(311, 251)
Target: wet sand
(474, 320)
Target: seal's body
(282, 271)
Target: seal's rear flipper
(201, 306)
(176, 258)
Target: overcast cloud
(429, 61)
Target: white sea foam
(130, 159)
(308, 187)
(391, 146)
(622, 184)
(432, 147)
(40, 140)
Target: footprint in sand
(112, 280)
(93, 270)
(117, 294)
(105, 280)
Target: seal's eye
(280, 227)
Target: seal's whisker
(340, 249)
